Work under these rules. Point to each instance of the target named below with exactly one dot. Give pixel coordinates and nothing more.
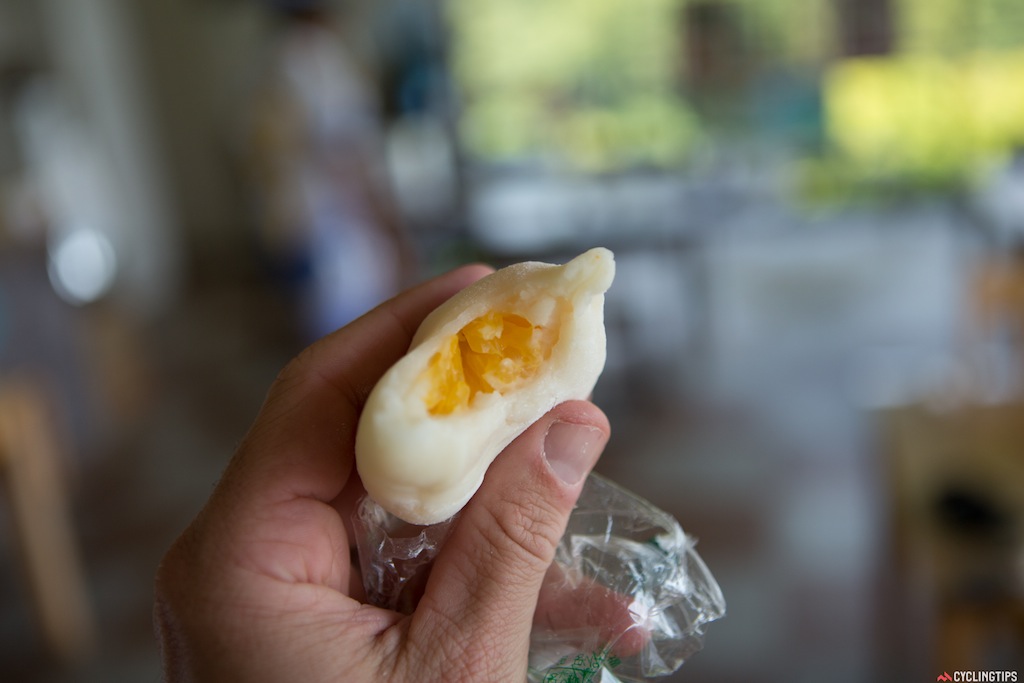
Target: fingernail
(571, 450)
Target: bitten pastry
(482, 367)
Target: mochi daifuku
(482, 367)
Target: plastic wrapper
(627, 597)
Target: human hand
(262, 587)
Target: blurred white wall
(95, 57)
(864, 306)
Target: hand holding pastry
(260, 587)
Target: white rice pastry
(482, 367)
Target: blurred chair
(957, 485)
(33, 483)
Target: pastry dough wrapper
(423, 466)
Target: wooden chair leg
(41, 513)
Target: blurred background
(815, 360)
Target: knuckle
(445, 654)
(293, 372)
(528, 527)
(459, 664)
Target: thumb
(483, 589)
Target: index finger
(302, 442)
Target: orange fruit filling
(491, 353)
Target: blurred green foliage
(587, 81)
(600, 85)
(924, 116)
(951, 27)
(948, 102)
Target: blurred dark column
(717, 63)
(865, 27)
(714, 45)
